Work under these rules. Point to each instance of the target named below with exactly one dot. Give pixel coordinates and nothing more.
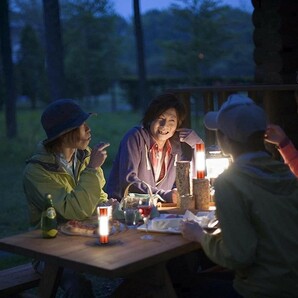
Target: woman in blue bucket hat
(65, 166)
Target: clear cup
(130, 210)
(130, 216)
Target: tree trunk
(10, 102)
(54, 49)
(142, 88)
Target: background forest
(194, 42)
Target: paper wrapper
(202, 218)
(201, 193)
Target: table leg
(152, 281)
(49, 281)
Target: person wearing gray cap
(256, 205)
(65, 167)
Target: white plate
(115, 228)
(175, 230)
(169, 230)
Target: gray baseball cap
(238, 118)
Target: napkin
(202, 218)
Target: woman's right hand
(98, 155)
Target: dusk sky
(124, 7)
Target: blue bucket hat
(60, 117)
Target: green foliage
(196, 49)
(91, 51)
(190, 42)
(238, 47)
(31, 67)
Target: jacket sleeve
(235, 246)
(290, 157)
(70, 201)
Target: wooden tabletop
(125, 254)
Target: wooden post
(201, 193)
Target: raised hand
(274, 134)
(98, 155)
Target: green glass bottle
(49, 226)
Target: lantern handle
(131, 183)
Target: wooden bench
(18, 279)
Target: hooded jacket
(257, 207)
(132, 164)
(73, 198)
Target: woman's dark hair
(162, 103)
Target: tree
(91, 47)
(31, 66)
(10, 103)
(202, 31)
(54, 49)
(140, 55)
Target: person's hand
(274, 134)
(98, 155)
(111, 202)
(191, 231)
(175, 195)
(184, 134)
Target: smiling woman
(149, 153)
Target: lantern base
(110, 243)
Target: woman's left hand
(189, 136)
(183, 133)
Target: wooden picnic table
(127, 256)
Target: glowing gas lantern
(103, 224)
(216, 162)
(200, 160)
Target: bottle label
(51, 213)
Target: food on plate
(81, 228)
